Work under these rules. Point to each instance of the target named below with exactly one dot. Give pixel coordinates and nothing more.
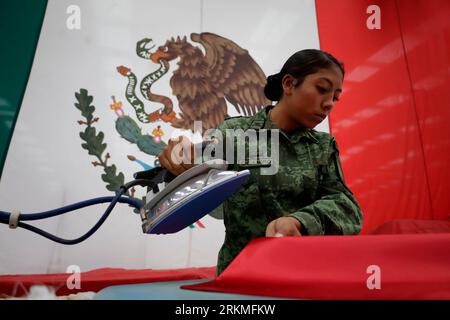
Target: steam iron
(187, 197)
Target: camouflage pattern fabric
(308, 186)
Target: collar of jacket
(261, 120)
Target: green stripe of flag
(20, 26)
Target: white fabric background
(46, 166)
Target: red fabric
(95, 280)
(392, 122)
(335, 267)
(413, 227)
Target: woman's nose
(328, 104)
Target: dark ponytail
(299, 65)
(273, 89)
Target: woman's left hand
(284, 226)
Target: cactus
(130, 131)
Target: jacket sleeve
(336, 210)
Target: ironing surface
(167, 291)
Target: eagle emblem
(202, 82)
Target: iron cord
(113, 200)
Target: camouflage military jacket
(308, 186)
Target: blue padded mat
(167, 291)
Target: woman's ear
(288, 83)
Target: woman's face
(309, 103)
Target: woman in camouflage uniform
(307, 195)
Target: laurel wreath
(94, 144)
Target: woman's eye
(322, 89)
(335, 99)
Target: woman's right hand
(284, 226)
(178, 156)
